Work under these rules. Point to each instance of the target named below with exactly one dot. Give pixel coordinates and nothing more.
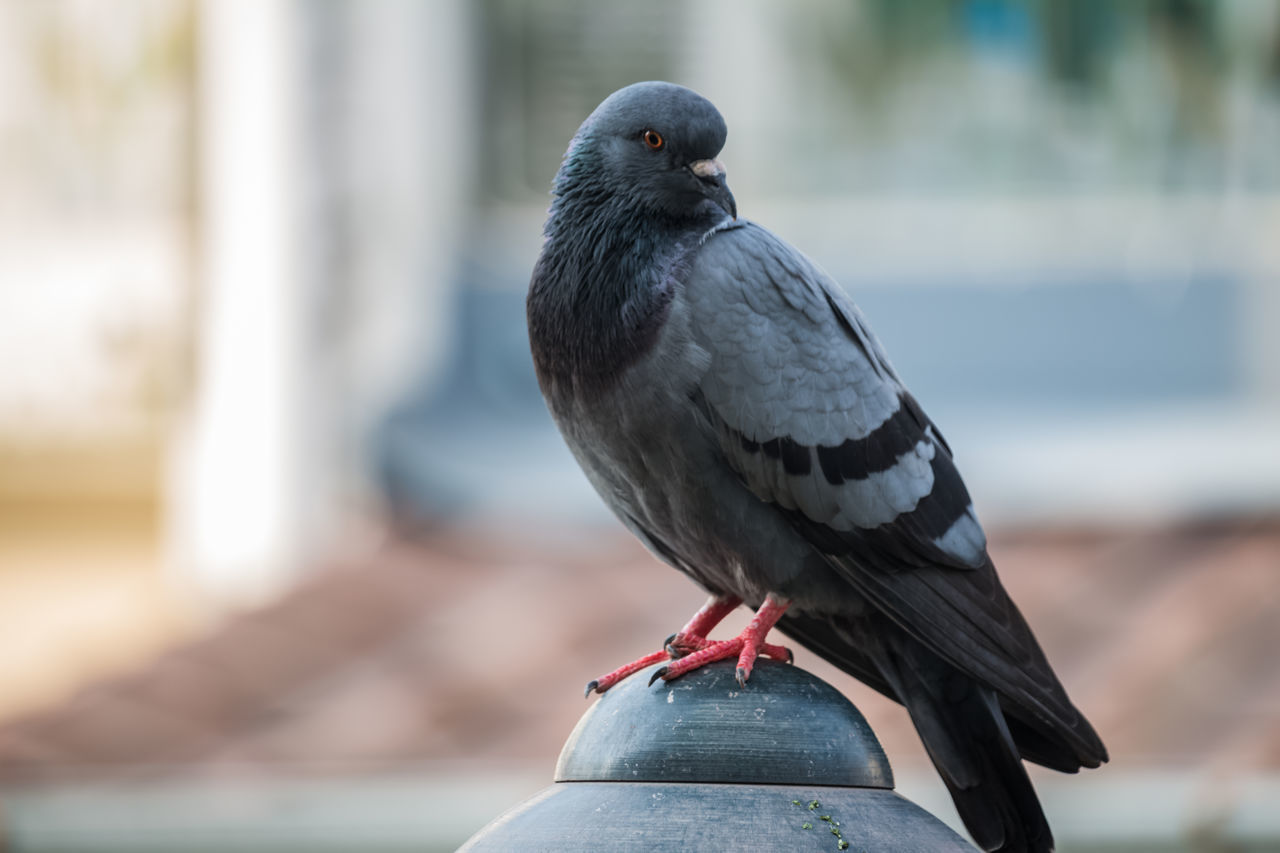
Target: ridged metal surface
(649, 816)
(784, 764)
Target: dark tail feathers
(965, 733)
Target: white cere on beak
(707, 168)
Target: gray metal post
(785, 764)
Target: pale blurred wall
(96, 295)
(95, 245)
(226, 235)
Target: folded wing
(812, 417)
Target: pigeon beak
(712, 175)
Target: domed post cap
(700, 764)
(785, 727)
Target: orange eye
(652, 138)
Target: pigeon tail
(965, 733)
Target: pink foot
(747, 646)
(680, 645)
(707, 617)
(691, 642)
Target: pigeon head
(650, 147)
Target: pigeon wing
(812, 417)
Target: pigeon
(729, 403)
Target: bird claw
(689, 649)
(592, 686)
(604, 682)
(742, 674)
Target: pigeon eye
(653, 139)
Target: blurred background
(291, 556)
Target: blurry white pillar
(235, 509)
(336, 152)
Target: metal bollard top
(701, 764)
(786, 727)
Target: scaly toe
(706, 654)
(781, 653)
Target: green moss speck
(814, 805)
